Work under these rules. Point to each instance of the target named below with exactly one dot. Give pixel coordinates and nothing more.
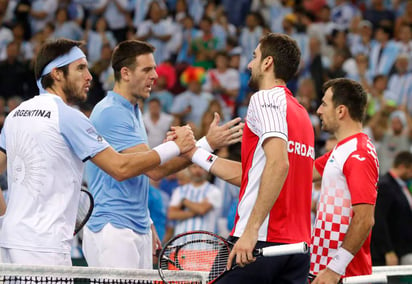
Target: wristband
(204, 159)
(340, 261)
(167, 151)
(202, 143)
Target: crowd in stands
(202, 51)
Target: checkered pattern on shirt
(332, 222)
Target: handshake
(218, 136)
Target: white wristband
(340, 261)
(204, 159)
(167, 151)
(202, 143)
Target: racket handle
(285, 249)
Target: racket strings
(196, 252)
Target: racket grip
(285, 249)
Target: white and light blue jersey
(123, 204)
(46, 142)
(206, 222)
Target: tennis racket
(207, 252)
(84, 210)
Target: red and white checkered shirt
(349, 176)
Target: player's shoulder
(274, 97)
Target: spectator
(13, 73)
(396, 138)
(26, 47)
(362, 41)
(378, 14)
(66, 27)
(405, 42)
(117, 15)
(404, 19)
(6, 35)
(140, 9)
(383, 52)
(164, 83)
(41, 13)
(189, 32)
(157, 123)
(360, 72)
(249, 38)
(196, 205)
(224, 83)
(103, 78)
(377, 95)
(204, 46)
(189, 106)
(392, 234)
(156, 31)
(96, 37)
(400, 83)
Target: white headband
(74, 54)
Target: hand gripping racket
(207, 252)
(85, 209)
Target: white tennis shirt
(46, 142)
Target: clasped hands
(218, 136)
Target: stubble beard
(73, 96)
(254, 83)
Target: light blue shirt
(123, 204)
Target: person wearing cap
(44, 144)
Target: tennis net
(25, 274)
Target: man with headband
(44, 144)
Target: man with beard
(119, 232)
(44, 143)
(345, 215)
(275, 173)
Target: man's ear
(342, 111)
(267, 62)
(125, 73)
(57, 74)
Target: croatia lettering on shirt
(275, 113)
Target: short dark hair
(125, 53)
(285, 53)
(350, 94)
(50, 51)
(403, 158)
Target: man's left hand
(327, 276)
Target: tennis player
(275, 174)
(119, 232)
(44, 143)
(345, 215)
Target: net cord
(97, 273)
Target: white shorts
(28, 257)
(119, 248)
